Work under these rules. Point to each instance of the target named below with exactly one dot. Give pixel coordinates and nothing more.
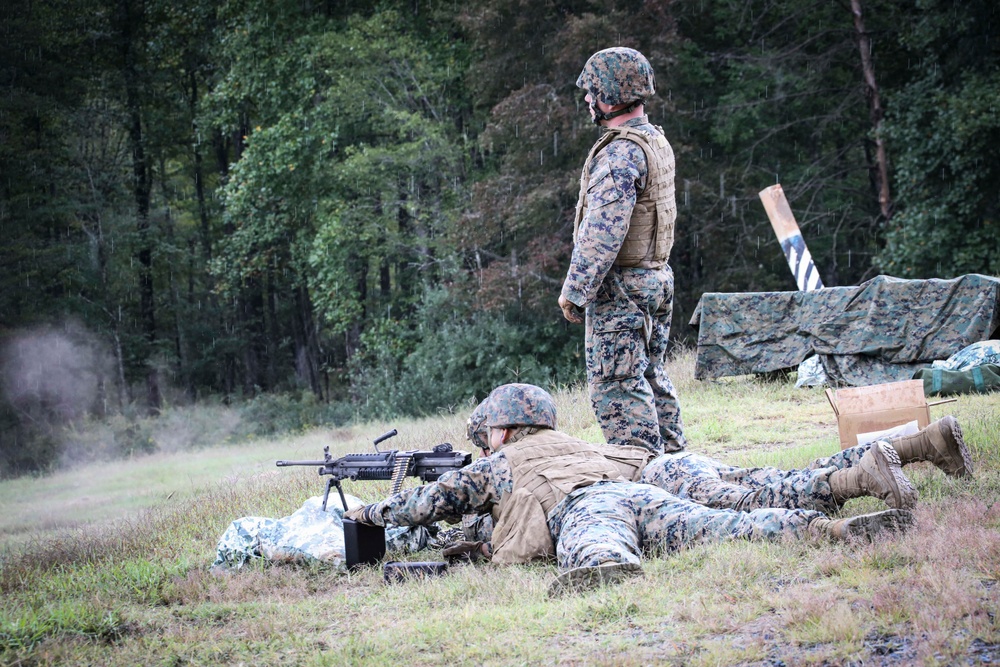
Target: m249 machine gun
(381, 465)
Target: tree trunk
(307, 349)
(880, 171)
(130, 17)
(199, 175)
(182, 348)
(272, 342)
(353, 334)
(250, 316)
(406, 262)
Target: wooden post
(790, 237)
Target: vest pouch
(522, 533)
(664, 241)
(630, 459)
(569, 475)
(640, 239)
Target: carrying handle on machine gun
(385, 436)
(402, 462)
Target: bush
(25, 447)
(453, 359)
(270, 414)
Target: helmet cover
(476, 428)
(520, 405)
(618, 75)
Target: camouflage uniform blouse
(475, 489)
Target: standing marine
(619, 282)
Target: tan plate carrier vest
(546, 467)
(650, 233)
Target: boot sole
(889, 521)
(957, 449)
(889, 465)
(585, 578)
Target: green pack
(976, 380)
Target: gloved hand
(464, 550)
(367, 514)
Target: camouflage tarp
(309, 535)
(881, 331)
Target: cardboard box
(878, 407)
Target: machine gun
(393, 465)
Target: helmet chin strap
(600, 116)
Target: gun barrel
(281, 464)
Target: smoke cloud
(54, 374)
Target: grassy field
(109, 564)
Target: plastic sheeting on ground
(881, 331)
(309, 535)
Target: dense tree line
(371, 203)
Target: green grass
(108, 564)
(101, 491)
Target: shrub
(454, 357)
(270, 414)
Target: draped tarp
(310, 535)
(881, 331)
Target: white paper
(909, 428)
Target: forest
(367, 208)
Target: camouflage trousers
(714, 484)
(619, 522)
(627, 329)
(477, 527)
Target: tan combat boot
(940, 443)
(878, 473)
(863, 526)
(584, 578)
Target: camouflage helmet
(476, 428)
(618, 75)
(520, 405)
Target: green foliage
(455, 357)
(280, 413)
(324, 178)
(23, 629)
(340, 151)
(943, 129)
(45, 193)
(25, 447)
(764, 93)
(946, 171)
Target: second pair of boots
(879, 473)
